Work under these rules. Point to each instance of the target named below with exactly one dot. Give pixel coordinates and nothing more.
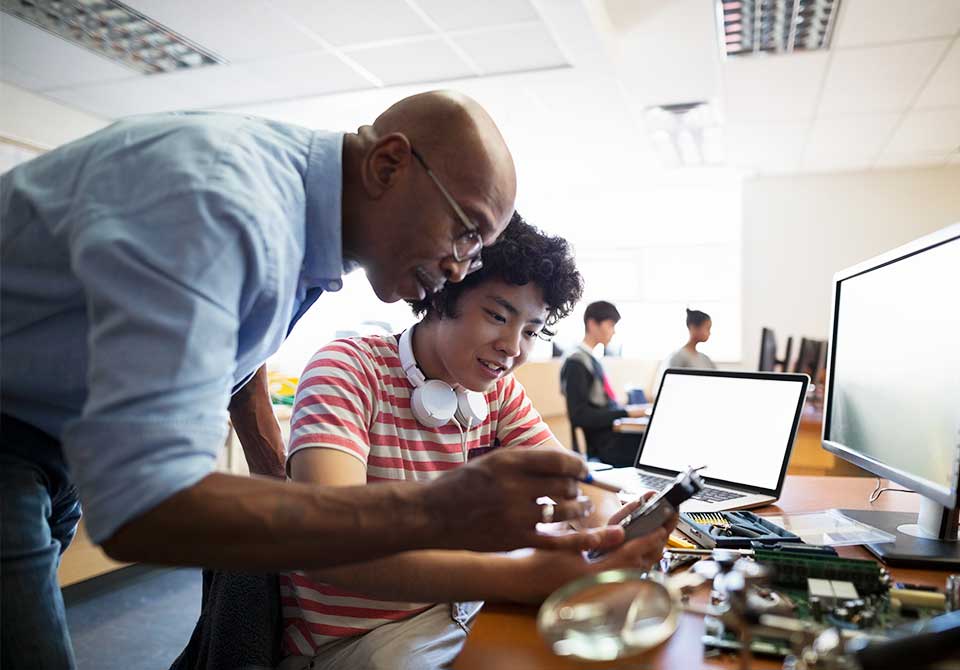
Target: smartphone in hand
(655, 512)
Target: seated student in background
(698, 325)
(687, 356)
(591, 401)
(408, 407)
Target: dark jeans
(616, 449)
(39, 512)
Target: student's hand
(490, 504)
(637, 411)
(545, 571)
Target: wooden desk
(505, 636)
(631, 425)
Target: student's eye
(531, 334)
(496, 317)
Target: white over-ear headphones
(434, 402)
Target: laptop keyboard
(708, 494)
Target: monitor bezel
(792, 439)
(949, 498)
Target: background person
(591, 401)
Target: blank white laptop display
(739, 425)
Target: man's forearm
(232, 522)
(428, 576)
(251, 413)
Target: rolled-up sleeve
(163, 288)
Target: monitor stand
(909, 550)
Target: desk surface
(631, 425)
(505, 636)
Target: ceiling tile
(238, 30)
(357, 21)
(767, 147)
(464, 14)
(836, 164)
(773, 88)
(931, 130)
(14, 75)
(41, 61)
(202, 88)
(301, 75)
(891, 160)
(666, 52)
(877, 79)
(512, 49)
(849, 140)
(883, 21)
(943, 89)
(426, 60)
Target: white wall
(33, 119)
(798, 231)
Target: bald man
(150, 269)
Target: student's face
(607, 330)
(603, 331)
(701, 333)
(493, 333)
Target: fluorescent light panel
(775, 26)
(111, 29)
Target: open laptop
(739, 425)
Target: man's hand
(490, 503)
(637, 411)
(542, 572)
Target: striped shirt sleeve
(336, 401)
(519, 423)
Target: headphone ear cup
(433, 403)
(471, 408)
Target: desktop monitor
(893, 390)
(810, 357)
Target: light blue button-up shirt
(145, 271)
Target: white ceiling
(567, 80)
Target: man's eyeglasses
(468, 245)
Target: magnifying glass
(609, 615)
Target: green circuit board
(788, 585)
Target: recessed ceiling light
(775, 26)
(685, 134)
(110, 28)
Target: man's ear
(385, 162)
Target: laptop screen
(739, 425)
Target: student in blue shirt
(149, 269)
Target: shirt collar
(323, 262)
(587, 350)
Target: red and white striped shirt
(354, 397)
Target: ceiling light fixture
(110, 28)
(685, 134)
(775, 26)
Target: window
(653, 253)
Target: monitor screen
(739, 427)
(768, 351)
(895, 384)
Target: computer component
(893, 390)
(731, 529)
